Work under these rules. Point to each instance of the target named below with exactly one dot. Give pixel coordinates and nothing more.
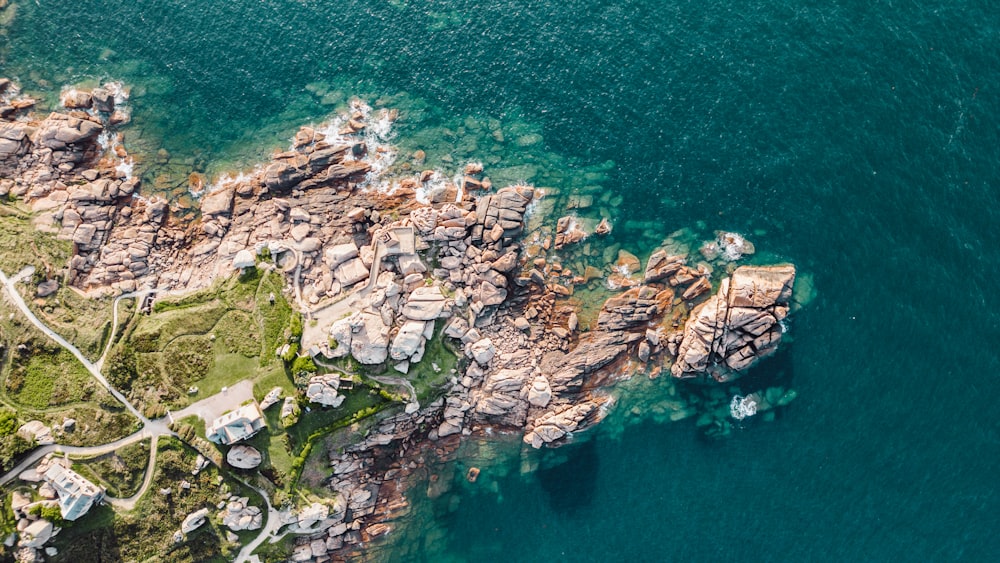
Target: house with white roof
(237, 425)
(76, 494)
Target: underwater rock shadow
(570, 484)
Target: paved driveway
(215, 406)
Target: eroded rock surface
(738, 325)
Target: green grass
(274, 377)
(238, 333)
(120, 472)
(279, 551)
(158, 330)
(428, 383)
(35, 385)
(211, 340)
(274, 318)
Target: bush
(8, 422)
(304, 364)
(291, 354)
(295, 326)
(121, 369)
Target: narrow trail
(15, 297)
(130, 502)
(151, 429)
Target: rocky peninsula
(381, 262)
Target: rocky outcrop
(369, 338)
(194, 521)
(738, 325)
(239, 515)
(243, 457)
(322, 389)
(553, 426)
(634, 307)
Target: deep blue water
(856, 139)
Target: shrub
(304, 364)
(121, 369)
(8, 422)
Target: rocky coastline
(380, 263)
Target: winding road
(95, 371)
(151, 429)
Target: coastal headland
(449, 301)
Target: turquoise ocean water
(860, 140)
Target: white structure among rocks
(237, 425)
(76, 494)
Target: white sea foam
(742, 407)
(227, 180)
(104, 140)
(377, 134)
(126, 167)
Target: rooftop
(76, 494)
(237, 425)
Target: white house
(76, 494)
(237, 425)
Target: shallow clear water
(857, 139)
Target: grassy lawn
(210, 340)
(271, 378)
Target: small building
(76, 494)
(398, 241)
(237, 425)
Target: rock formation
(737, 325)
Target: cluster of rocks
(737, 326)
(33, 531)
(322, 389)
(237, 514)
(78, 188)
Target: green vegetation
(50, 513)
(120, 472)
(190, 348)
(286, 449)
(428, 382)
(31, 379)
(121, 370)
(40, 381)
(274, 318)
(83, 321)
(146, 533)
